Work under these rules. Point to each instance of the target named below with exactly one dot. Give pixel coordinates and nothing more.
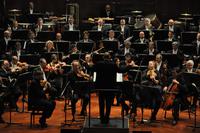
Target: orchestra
(162, 85)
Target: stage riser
(65, 130)
(105, 130)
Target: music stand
(22, 78)
(139, 47)
(30, 59)
(111, 45)
(145, 57)
(172, 60)
(193, 78)
(45, 35)
(72, 36)
(20, 34)
(62, 46)
(95, 35)
(36, 48)
(47, 56)
(85, 47)
(188, 49)
(188, 37)
(12, 43)
(164, 45)
(160, 34)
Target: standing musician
(76, 75)
(38, 98)
(151, 91)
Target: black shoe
(174, 122)
(42, 122)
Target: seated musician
(58, 37)
(171, 37)
(15, 25)
(111, 37)
(39, 26)
(151, 50)
(71, 26)
(9, 82)
(100, 49)
(76, 75)
(31, 39)
(86, 39)
(38, 98)
(123, 29)
(49, 46)
(191, 90)
(142, 38)
(127, 48)
(152, 95)
(175, 95)
(88, 64)
(107, 12)
(100, 26)
(196, 44)
(55, 76)
(17, 66)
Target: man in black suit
(171, 37)
(123, 29)
(127, 49)
(105, 80)
(196, 44)
(38, 98)
(142, 38)
(151, 49)
(107, 12)
(4, 43)
(71, 26)
(173, 28)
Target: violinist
(152, 93)
(17, 66)
(38, 98)
(49, 46)
(9, 82)
(88, 64)
(76, 75)
(56, 73)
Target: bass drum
(154, 21)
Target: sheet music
(94, 76)
(119, 77)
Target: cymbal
(14, 10)
(186, 14)
(136, 12)
(185, 18)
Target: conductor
(105, 83)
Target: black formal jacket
(36, 92)
(126, 31)
(106, 74)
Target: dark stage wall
(91, 8)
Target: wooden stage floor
(54, 123)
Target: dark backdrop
(91, 8)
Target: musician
(159, 62)
(151, 50)
(107, 12)
(100, 26)
(9, 82)
(71, 26)
(124, 29)
(100, 49)
(38, 98)
(75, 75)
(147, 25)
(15, 26)
(111, 37)
(30, 9)
(86, 39)
(31, 39)
(39, 26)
(4, 43)
(173, 28)
(142, 38)
(178, 96)
(17, 66)
(126, 49)
(88, 63)
(49, 46)
(58, 37)
(196, 44)
(176, 51)
(151, 78)
(191, 90)
(106, 77)
(171, 37)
